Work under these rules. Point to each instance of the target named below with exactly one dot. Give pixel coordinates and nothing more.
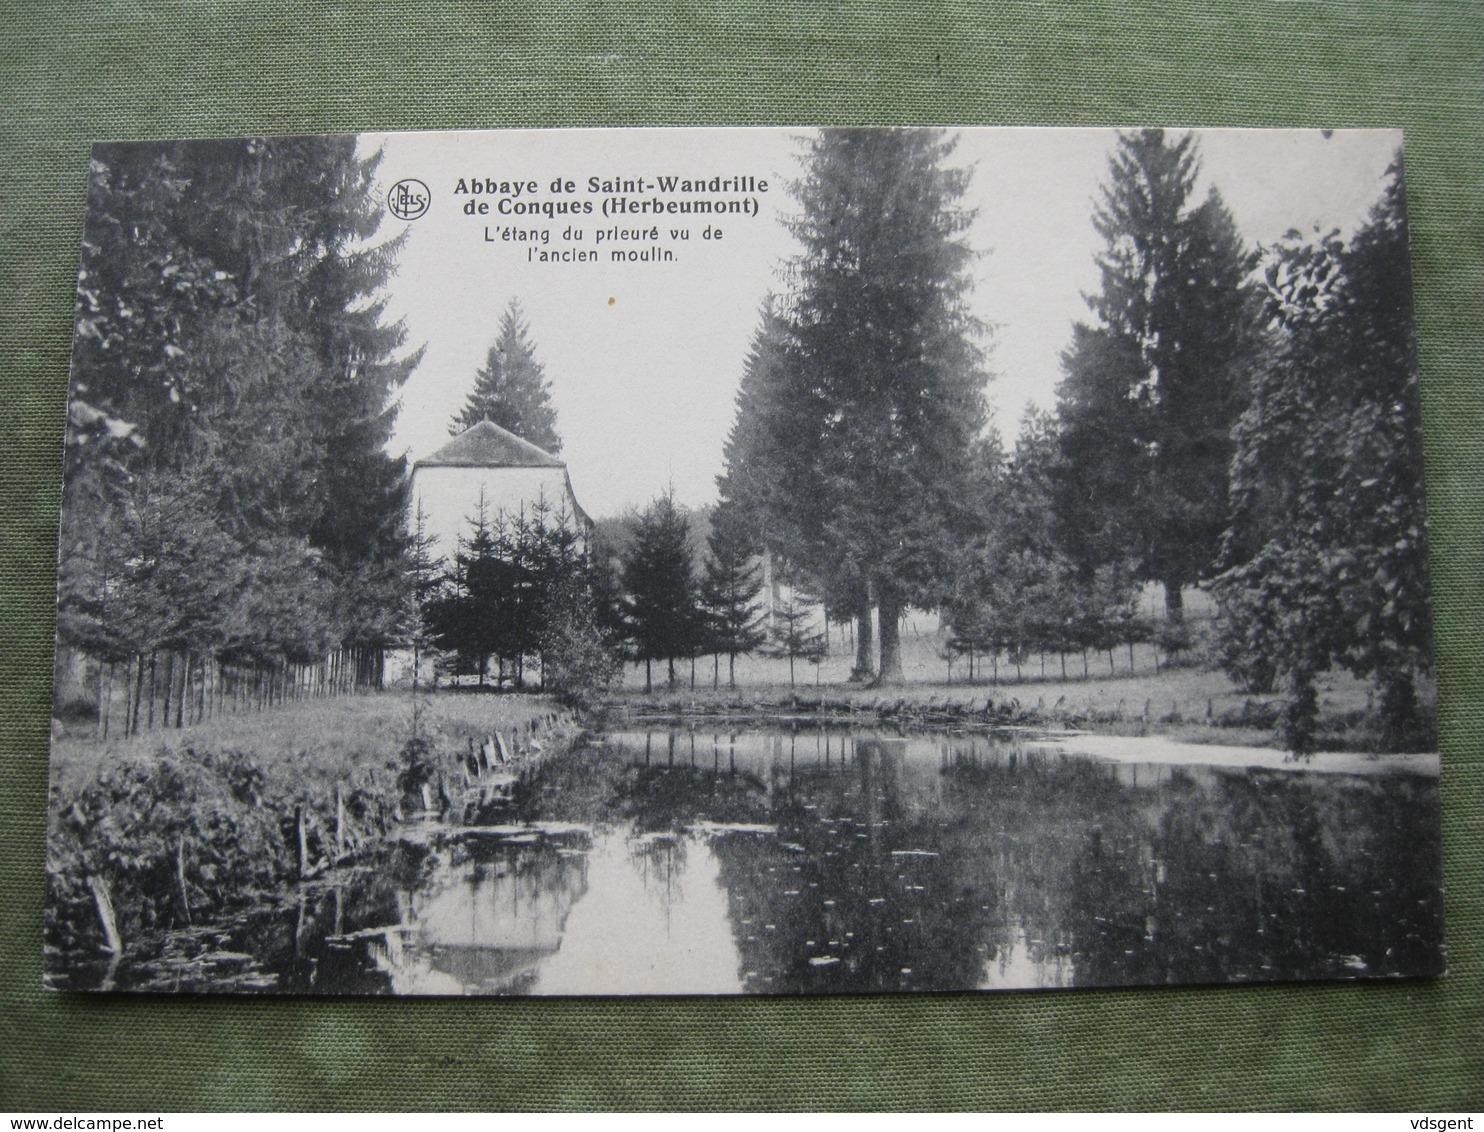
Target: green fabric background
(70, 73)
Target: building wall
(449, 497)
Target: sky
(644, 358)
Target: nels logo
(408, 199)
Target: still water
(779, 860)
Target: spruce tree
(791, 636)
(883, 380)
(661, 601)
(1155, 384)
(229, 340)
(730, 590)
(511, 390)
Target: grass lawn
(1197, 702)
(333, 737)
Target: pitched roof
(487, 445)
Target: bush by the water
(169, 841)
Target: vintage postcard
(747, 561)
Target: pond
(800, 859)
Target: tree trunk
(648, 677)
(863, 645)
(169, 672)
(185, 690)
(891, 642)
(105, 694)
(731, 670)
(138, 687)
(1174, 603)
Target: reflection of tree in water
(305, 944)
(894, 875)
(890, 872)
(660, 859)
(1266, 875)
(672, 786)
(866, 887)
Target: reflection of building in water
(487, 928)
(796, 860)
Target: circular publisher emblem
(408, 199)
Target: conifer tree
(882, 379)
(1154, 385)
(229, 340)
(511, 390)
(730, 590)
(661, 601)
(791, 636)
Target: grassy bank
(166, 830)
(1197, 704)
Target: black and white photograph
(770, 561)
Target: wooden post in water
(104, 903)
(180, 880)
(339, 823)
(301, 842)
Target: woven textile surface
(71, 74)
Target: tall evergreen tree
(511, 390)
(730, 589)
(883, 377)
(1154, 386)
(770, 467)
(661, 600)
(229, 335)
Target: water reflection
(795, 861)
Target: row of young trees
(517, 586)
(229, 503)
(535, 585)
(1245, 419)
